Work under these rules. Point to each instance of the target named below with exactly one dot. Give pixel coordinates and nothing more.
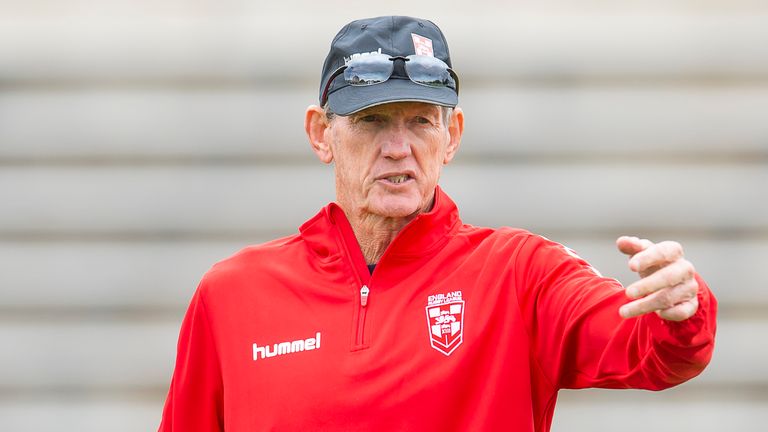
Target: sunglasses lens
(429, 71)
(368, 69)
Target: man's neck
(374, 233)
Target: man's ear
(316, 125)
(455, 130)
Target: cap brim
(351, 99)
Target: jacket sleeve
(194, 400)
(578, 338)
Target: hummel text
(291, 347)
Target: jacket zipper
(364, 291)
(361, 307)
(361, 313)
(364, 277)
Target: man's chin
(399, 207)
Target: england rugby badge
(445, 320)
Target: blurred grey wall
(141, 141)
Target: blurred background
(141, 141)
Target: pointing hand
(667, 285)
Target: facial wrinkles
(363, 137)
(398, 152)
(401, 128)
(348, 145)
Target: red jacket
(459, 328)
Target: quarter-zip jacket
(460, 328)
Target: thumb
(632, 245)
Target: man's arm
(194, 400)
(580, 339)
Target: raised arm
(586, 332)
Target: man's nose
(396, 144)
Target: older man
(387, 313)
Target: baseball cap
(397, 37)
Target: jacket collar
(329, 232)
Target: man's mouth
(398, 178)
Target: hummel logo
(291, 347)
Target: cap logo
(356, 55)
(422, 45)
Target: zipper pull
(364, 291)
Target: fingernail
(623, 312)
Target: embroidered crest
(445, 320)
(422, 45)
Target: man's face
(388, 158)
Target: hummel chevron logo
(282, 348)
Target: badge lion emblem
(445, 320)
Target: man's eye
(422, 120)
(369, 118)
